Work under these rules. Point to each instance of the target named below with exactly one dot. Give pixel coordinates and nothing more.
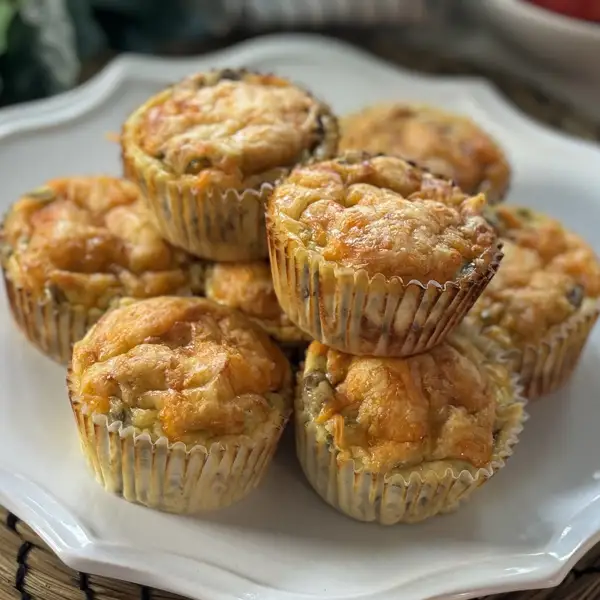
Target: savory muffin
(543, 303)
(207, 151)
(403, 439)
(447, 144)
(179, 402)
(248, 287)
(71, 248)
(372, 255)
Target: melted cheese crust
(89, 240)
(184, 368)
(392, 413)
(248, 287)
(447, 144)
(383, 215)
(234, 130)
(548, 273)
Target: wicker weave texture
(30, 571)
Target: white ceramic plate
(525, 528)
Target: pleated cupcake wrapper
(545, 368)
(368, 316)
(221, 225)
(53, 327)
(389, 499)
(170, 477)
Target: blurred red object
(588, 10)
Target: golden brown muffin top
(545, 277)
(248, 287)
(559, 250)
(88, 240)
(389, 413)
(447, 144)
(203, 368)
(383, 215)
(235, 128)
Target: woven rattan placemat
(30, 571)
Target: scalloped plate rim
(136, 66)
(93, 555)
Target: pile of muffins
(260, 259)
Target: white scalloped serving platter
(526, 528)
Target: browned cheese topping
(185, 368)
(546, 276)
(89, 240)
(447, 144)
(234, 128)
(380, 214)
(389, 413)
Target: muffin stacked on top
(206, 153)
(398, 416)
(242, 189)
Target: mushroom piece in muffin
(73, 247)
(207, 151)
(371, 255)
(403, 439)
(179, 402)
(448, 144)
(248, 287)
(544, 301)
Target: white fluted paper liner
(221, 225)
(171, 477)
(354, 313)
(206, 221)
(407, 495)
(52, 326)
(546, 367)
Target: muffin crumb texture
(233, 131)
(248, 287)
(547, 275)
(382, 215)
(447, 144)
(186, 369)
(390, 413)
(89, 240)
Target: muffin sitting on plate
(372, 255)
(447, 144)
(69, 249)
(207, 151)
(248, 287)
(544, 301)
(179, 402)
(403, 439)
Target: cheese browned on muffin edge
(234, 129)
(447, 144)
(89, 240)
(248, 287)
(548, 275)
(382, 215)
(396, 413)
(184, 368)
